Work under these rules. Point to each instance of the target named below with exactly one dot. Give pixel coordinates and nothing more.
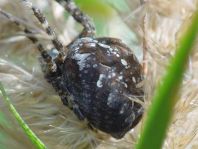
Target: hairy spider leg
(47, 58)
(42, 19)
(50, 75)
(80, 17)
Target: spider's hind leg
(80, 17)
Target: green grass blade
(3, 121)
(34, 139)
(161, 110)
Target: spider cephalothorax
(99, 78)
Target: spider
(98, 78)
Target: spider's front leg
(80, 17)
(56, 78)
(50, 68)
(30, 34)
(42, 19)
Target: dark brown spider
(98, 78)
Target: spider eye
(103, 77)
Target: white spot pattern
(95, 65)
(81, 59)
(120, 77)
(110, 99)
(110, 50)
(92, 44)
(99, 82)
(124, 62)
(134, 80)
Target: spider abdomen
(102, 75)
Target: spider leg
(80, 17)
(42, 19)
(47, 58)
